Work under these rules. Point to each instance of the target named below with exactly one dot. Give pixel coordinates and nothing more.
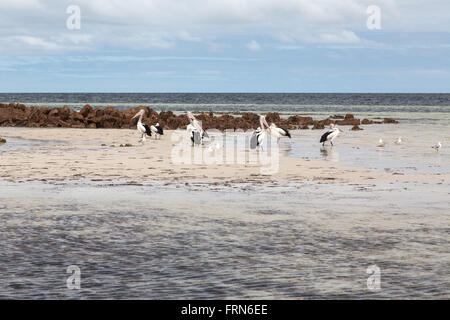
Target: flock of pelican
(197, 134)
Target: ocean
(237, 102)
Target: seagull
(216, 146)
(330, 135)
(142, 128)
(259, 134)
(437, 146)
(157, 129)
(381, 143)
(398, 141)
(278, 132)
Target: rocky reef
(19, 115)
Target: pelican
(437, 146)
(195, 129)
(259, 134)
(157, 129)
(381, 143)
(330, 135)
(142, 128)
(278, 132)
(398, 141)
(192, 132)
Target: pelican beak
(136, 115)
(265, 122)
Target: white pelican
(398, 141)
(330, 135)
(381, 143)
(157, 129)
(437, 146)
(259, 134)
(142, 128)
(278, 132)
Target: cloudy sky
(224, 46)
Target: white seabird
(157, 130)
(437, 146)
(195, 129)
(330, 135)
(259, 134)
(381, 143)
(141, 127)
(278, 132)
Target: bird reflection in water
(328, 153)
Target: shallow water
(303, 240)
(359, 148)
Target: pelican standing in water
(330, 135)
(259, 134)
(278, 132)
(142, 128)
(398, 141)
(157, 130)
(437, 146)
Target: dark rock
(318, 125)
(13, 114)
(348, 122)
(389, 120)
(356, 128)
(337, 117)
(87, 109)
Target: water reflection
(328, 153)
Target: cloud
(341, 37)
(253, 46)
(40, 26)
(32, 42)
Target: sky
(224, 46)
